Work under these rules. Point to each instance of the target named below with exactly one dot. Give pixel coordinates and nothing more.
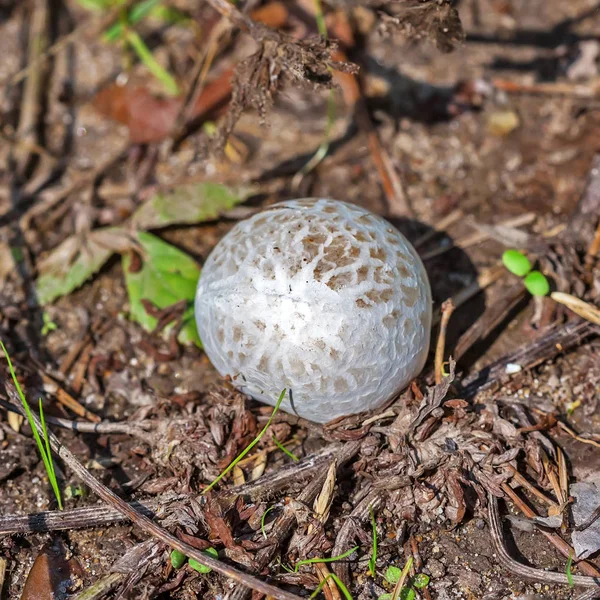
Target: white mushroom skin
(318, 296)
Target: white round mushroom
(318, 296)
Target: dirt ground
(505, 125)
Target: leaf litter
(429, 460)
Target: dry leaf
(15, 421)
(238, 476)
(52, 574)
(259, 466)
(323, 501)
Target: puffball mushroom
(320, 297)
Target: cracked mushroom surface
(318, 296)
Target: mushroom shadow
(448, 272)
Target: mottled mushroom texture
(320, 297)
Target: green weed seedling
(404, 588)
(178, 559)
(43, 446)
(518, 264)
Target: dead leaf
(52, 575)
(238, 476)
(260, 465)
(324, 499)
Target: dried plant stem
(447, 310)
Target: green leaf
(385, 597)
(516, 262)
(178, 559)
(420, 580)
(202, 568)
(167, 276)
(188, 204)
(393, 574)
(95, 4)
(407, 593)
(537, 284)
(69, 265)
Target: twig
(96, 516)
(156, 530)
(532, 489)
(558, 339)
(477, 237)
(579, 307)
(519, 569)
(553, 88)
(447, 310)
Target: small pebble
(436, 568)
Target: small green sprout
(537, 284)
(178, 559)
(43, 446)
(568, 570)
(397, 577)
(194, 564)
(312, 561)
(393, 574)
(48, 324)
(518, 264)
(373, 559)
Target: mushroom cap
(318, 296)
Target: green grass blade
(312, 561)
(250, 445)
(262, 520)
(285, 450)
(373, 559)
(51, 472)
(338, 582)
(146, 56)
(47, 460)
